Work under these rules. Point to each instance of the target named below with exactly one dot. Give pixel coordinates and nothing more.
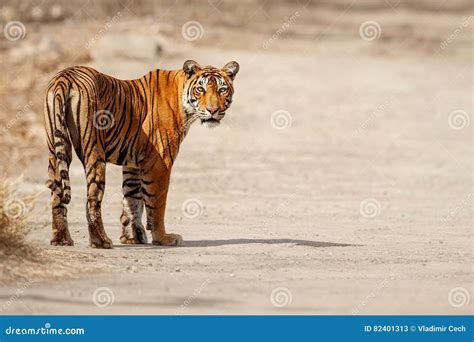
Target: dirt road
(351, 196)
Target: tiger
(138, 124)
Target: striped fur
(138, 124)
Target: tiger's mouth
(211, 122)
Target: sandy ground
(282, 207)
(339, 182)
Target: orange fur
(138, 124)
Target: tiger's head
(208, 91)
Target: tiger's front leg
(155, 185)
(131, 218)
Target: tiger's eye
(222, 90)
(200, 89)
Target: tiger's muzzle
(212, 120)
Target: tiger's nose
(212, 110)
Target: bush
(14, 210)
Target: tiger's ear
(190, 67)
(231, 69)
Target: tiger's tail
(59, 142)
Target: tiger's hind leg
(133, 231)
(61, 235)
(60, 156)
(95, 176)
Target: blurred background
(339, 182)
(54, 35)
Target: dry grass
(15, 251)
(21, 259)
(14, 210)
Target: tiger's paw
(62, 241)
(133, 241)
(104, 244)
(129, 241)
(138, 238)
(169, 240)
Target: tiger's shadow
(216, 243)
